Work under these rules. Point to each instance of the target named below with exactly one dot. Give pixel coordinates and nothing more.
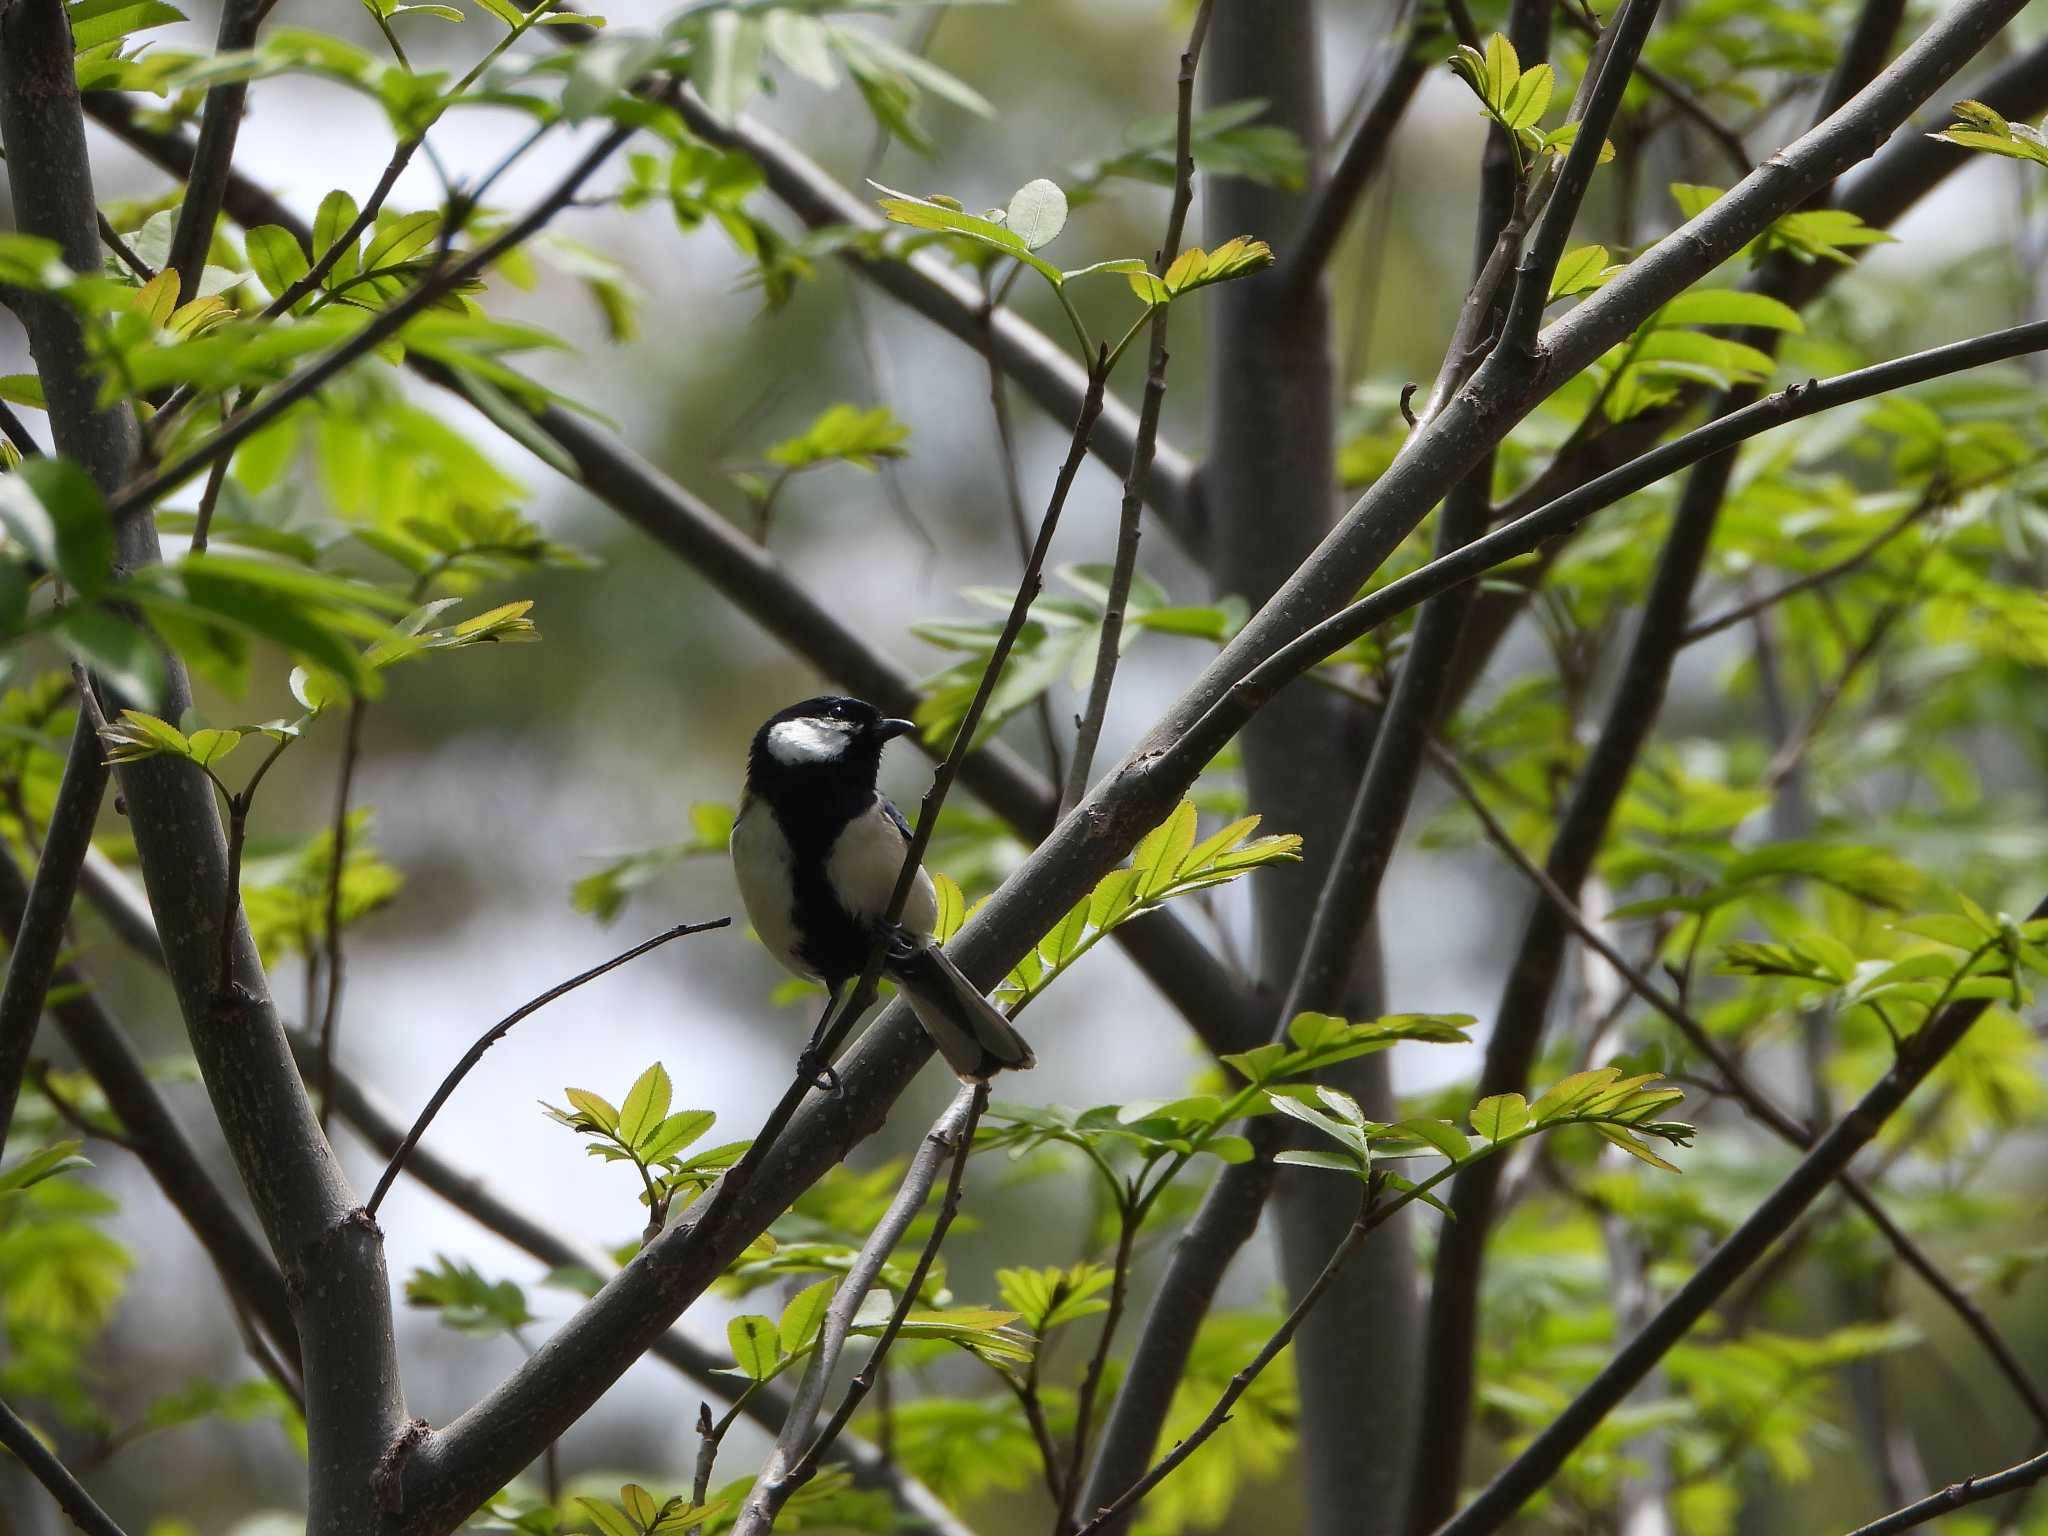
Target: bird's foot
(823, 1075)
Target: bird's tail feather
(975, 1039)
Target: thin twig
(1742, 612)
(330, 1016)
(69, 1493)
(498, 1031)
(949, 1137)
(1282, 1336)
(32, 960)
(110, 237)
(1406, 65)
(1971, 1490)
(1737, 1083)
(864, 1383)
(1098, 1362)
(1726, 138)
(1109, 644)
(387, 323)
(17, 433)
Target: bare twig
(498, 1031)
(794, 1458)
(219, 124)
(1829, 1157)
(69, 1493)
(1736, 1082)
(1109, 644)
(1613, 61)
(1971, 1490)
(1368, 1218)
(330, 1017)
(1742, 612)
(32, 959)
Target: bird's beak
(889, 730)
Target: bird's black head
(820, 746)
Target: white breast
(863, 866)
(763, 865)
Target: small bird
(817, 852)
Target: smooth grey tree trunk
(1269, 495)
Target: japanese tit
(817, 851)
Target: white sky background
(511, 819)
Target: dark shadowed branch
(1407, 62)
(220, 122)
(69, 1493)
(1971, 1490)
(153, 1134)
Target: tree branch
(1109, 644)
(1832, 1153)
(213, 161)
(1610, 67)
(794, 1459)
(38, 934)
(69, 1493)
(1170, 955)
(922, 282)
(497, 1032)
(155, 1137)
(1407, 65)
(1971, 1490)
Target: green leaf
(52, 509)
(1579, 269)
(1037, 212)
(113, 650)
(1160, 853)
(679, 1130)
(952, 907)
(208, 747)
(1729, 306)
(1336, 1162)
(845, 434)
(645, 1106)
(805, 1315)
(925, 213)
(1525, 104)
(1441, 1134)
(599, 1111)
(276, 258)
(1500, 1115)
(336, 213)
(48, 1162)
(756, 1345)
(397, 240)
(97, 22)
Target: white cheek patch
(809, 741)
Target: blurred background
(501, 776)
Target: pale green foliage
(285, 894)
(643, 1132)
(1979, 127)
